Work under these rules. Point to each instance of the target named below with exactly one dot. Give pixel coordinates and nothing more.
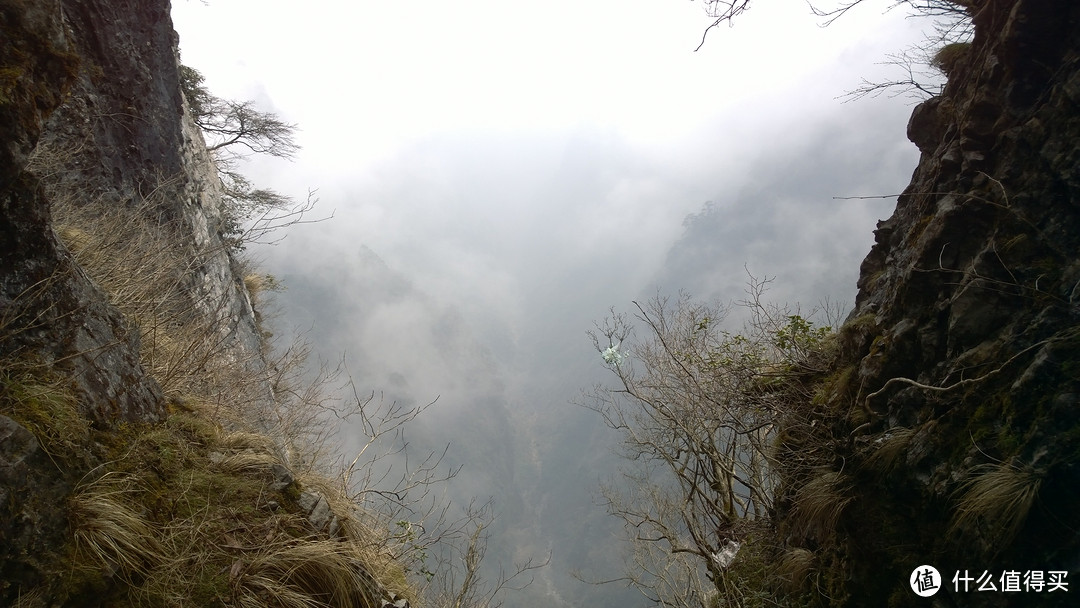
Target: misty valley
(594, 303)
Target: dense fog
(500, 178)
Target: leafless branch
(698, 407)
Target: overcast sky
(508, 141)
(501, 173)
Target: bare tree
(950, 10)
(722, 11)
(441, 546)
(916, 73)
(458, 580)
(698, 408)
(919, 73)
(952, 13)
(235, 130)
(230, 123)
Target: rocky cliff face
(93, 84)
(122, 135)
(131, 139)
(51, 311)
(958, 386)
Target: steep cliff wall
(51, 316)
(127, 139)
(51, 311)
(120, 138)
(957, 393)
(124, 319)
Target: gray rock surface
(966, 329)
(98, 80)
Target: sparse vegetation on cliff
(223, 490)
(235, 130)
(216, 504)
(706, 416)
(233, 493)
(946, 431)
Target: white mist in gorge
(500, 175)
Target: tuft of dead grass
(110, 532)
(994, 502)
(257, 284)
(819, 503)
(186, 521)
(890, 449)
(311, 573)
(795, 568)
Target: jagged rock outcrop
(96, 85)
(127, 136)
(50, 312)
(51, 315)
(962, 355)
(121, 135)
(102, 447)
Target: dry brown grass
(795, 568)
(31, 599)
(185, 514)
(819, 503)
(246, 440)
(257, 285)
(143, 265)
(310, 573)
(186, 520)
(889, 449)
(110, 532)
(246, 462)
(189, 341)
(994, 503)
